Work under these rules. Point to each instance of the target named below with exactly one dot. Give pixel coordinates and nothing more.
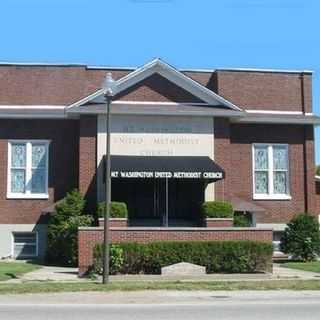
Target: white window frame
(28, 194)
(270, 195)
(35, 243)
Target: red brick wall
(222, 157)
(265, 90)
(63, 170)
(157, 88)
(310, 168)
(89, 237)
(253, 90)
(237, 161)
(218, 223)
(115, 222)
(88, 159)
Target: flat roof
(101, 67)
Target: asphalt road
(222, 306)
(155, 312)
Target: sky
(278, 34)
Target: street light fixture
(109, 87)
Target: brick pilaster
(87, 159)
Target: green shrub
(118, 210)
(242, 219)
(116, 259)
(217, 209)
(216, 256)
(63, 226)
(301, 238)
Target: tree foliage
(301, 238)
(63, 226)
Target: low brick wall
(90, 236)
(115, 222)
(218, 222)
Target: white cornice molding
(149, 109)
(273, 111)
(32, 112)
(32, 107)
(300, 119)
(157, 108)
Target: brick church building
(178, 138)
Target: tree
(63, 226)
(318, 170)
(302, 237)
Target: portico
(166, 148)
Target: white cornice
(273, 112)
(300, 119)
(32, 111)
(32, 107)
(157, 108)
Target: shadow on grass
(11, 275)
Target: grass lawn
(305, 266)
(11, 270)
(47, 287)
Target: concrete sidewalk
(280, 272)
(62, 274)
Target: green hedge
(118, 210)
(242, 219)
(216, 256)
(217, 209)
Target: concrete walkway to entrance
(62, 274)
(282, 272)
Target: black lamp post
(109, 87)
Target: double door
(161, 202)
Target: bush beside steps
(217, 209)
(117, 210)
(216, 256)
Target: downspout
(305, 167)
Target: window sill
(271, 197)
(27, 196)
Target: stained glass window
(18, 155)
(280, 182)
(261, 158)
(18, 180)
(280, 157)
(261, 182)
(271, 170)
(18, 167)
(280, 167)
(261, 169)
(28, 167)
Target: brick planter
(115, 222)
(218, 222)
(90, 236)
